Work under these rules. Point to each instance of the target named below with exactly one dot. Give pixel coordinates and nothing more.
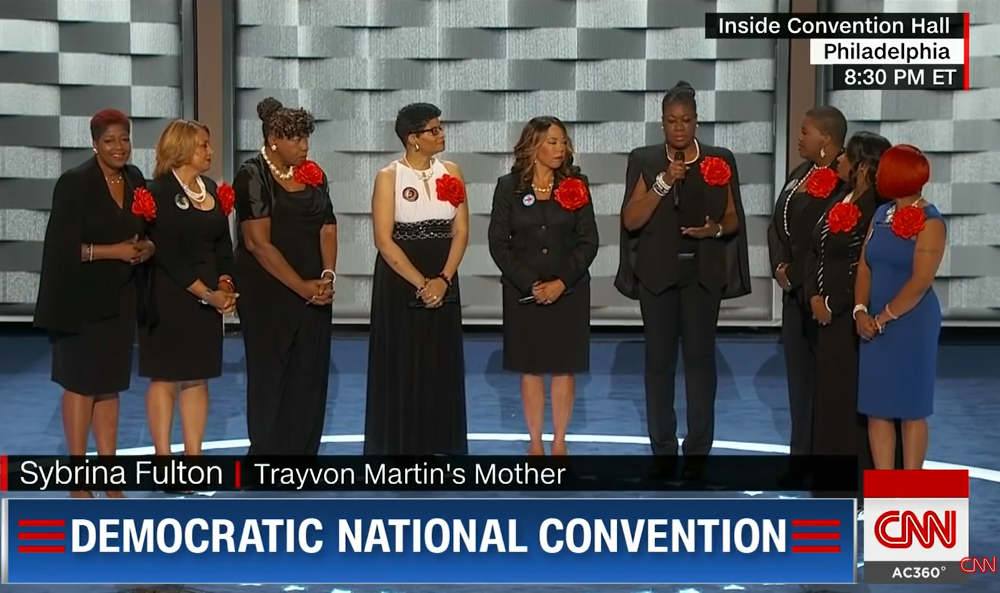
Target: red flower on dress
(309, 173)
(450, 189)
(715, 171)
(822, 182)
(571, 194)
(908, 222)
(226, 197)
(143, 204)
(843, 217)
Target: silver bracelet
(331, 273)
(661, 187)
(204, 298)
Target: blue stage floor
(752, 415)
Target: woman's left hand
(546, 293)
(710, 229)
(144, 250)
(820, 313)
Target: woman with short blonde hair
(180, 345)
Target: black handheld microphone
(678, 156)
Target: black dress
(416, 362)
(534, 240)
(89, 309)
(182, 341)
(789, 241)
(680, 283)
(286, 339)
(837, 427)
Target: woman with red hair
(91, 285)
(896, 311)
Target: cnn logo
(899, 530)
(980, 565)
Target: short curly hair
(284, 122)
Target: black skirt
(98, 359)
(184, 342)
(416, 361)
(547, 339)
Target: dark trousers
(798, 340)
(682, 316)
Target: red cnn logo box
(916, 526)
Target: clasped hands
(546, 293)
(224, 298)
(135, 251)
(432, 292)
(318, 292)
(869, 327)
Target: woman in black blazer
(87, 296)
(683, 251)
(837, 428)
(809, 190)
(180, 348)
(543, 237)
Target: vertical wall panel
(600, 65)
(60, 62)
(960, 131)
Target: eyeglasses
(436, 130)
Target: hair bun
(683, 85)
(267, 108)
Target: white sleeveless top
(416, 200)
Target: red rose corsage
(715, 171)
(822, 182)
(309, 173)
(843, 217)
(908, 222)
(143, 204)
(450, 189)
(571, 194)
(226, 197)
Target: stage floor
(752, 415)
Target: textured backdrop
(60, 62)
(960, 131)
(600, 65)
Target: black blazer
(804, 211)
(531, 243)
(72, 292)
(180, 242)
(833, 257)
(650, 255)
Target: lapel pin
(528, 200)
(182, 202)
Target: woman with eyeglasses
(416, 363)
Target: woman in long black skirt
(837, 428)
(90, 288)
(180, 347)
(416, 363)
(286, 262)
(543, 237)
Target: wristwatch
(208, 294)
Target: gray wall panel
(960, 131)
(60, 62)
(600, 65)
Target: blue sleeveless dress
(896, 369)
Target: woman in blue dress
(895, 280)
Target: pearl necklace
(697, 154)
(196, 196)
(788, 200)
(282, 176)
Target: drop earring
(822, 153)
(416, 147)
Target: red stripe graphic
(41, 523)
(815, 549)
(42, 536)
(966, 51)
(815, 522)
(239, 475)
(917, 483)
(816, 536)
(41, 549)
(3, 473)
